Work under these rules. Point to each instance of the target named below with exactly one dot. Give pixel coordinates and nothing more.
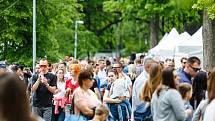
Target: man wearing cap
(44, 85)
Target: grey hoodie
(168, 106)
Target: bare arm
(36, 85)
(85, 109)
(82, 105)
(107, 98)
(52, 89)
(130, 91)
(97, 93)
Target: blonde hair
(132, 71)
(184, 88)
(101, 109)
(152, 83)
(211, 86)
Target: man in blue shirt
(191, 69)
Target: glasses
(43, 66)
(111, 76)
(91, 79)
(184, 62)
(117, 67)
(195, 69)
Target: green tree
(208, 30)
(16, 28)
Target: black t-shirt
(95, 85)
(108, 87)
(43, 97)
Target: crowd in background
(137, 89)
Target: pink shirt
(83, 98)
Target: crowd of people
(140, 89)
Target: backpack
(143, 112)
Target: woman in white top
(210, 110)
(59, 99)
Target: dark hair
(108, 63)
(49, 64)
(192, 60)
(64, 63)
(94, 66)
(211, 86)
(13, 99)
(15, 68)
(101, 60)
(184, 88)
(59, 70)
(167, 78)
(131, 62)
(83, 75)
(183, 58)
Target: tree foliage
(108, 25)
(208, 4)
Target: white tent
(161, 41)
(192, 46)
(182, 37)
(165, 48)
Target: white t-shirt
(61, 86)
(210, 112)
(119, 87)
(102, 76)
(67, 76)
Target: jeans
(127, 103)
(120, 111)
(44, 112)
(60, 116)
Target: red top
(72, 87)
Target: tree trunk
(154, 29)
(208, 33)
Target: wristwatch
(47, 85)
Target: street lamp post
(34, 35)
(76, 37)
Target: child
(101, 113)
(185, 90)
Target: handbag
(74, 117)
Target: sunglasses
(91, 79)
(43, 66)
(117, 67)
(195, 69)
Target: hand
(58, 90)
(189, 112)
(122, 97)
(68, 90)
(117, 100)
(45, 81)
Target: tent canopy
(191, 45)
(164, 49)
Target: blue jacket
(184, 77)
